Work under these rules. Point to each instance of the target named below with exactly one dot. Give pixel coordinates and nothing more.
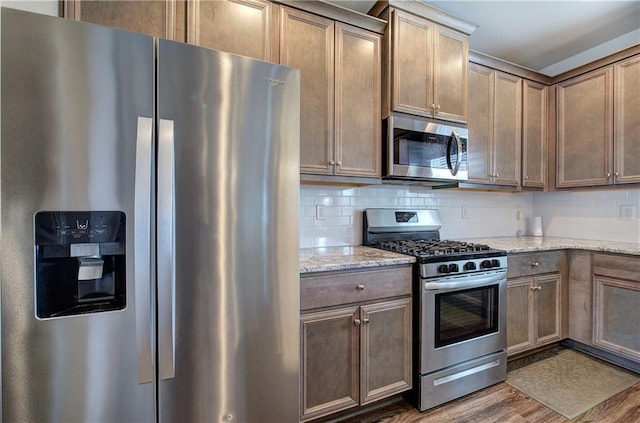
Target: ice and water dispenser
(80, 262)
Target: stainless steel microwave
(423, 150)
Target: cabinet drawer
(534, 263)
(343, 288)
(617, 266)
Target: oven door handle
(467, 282)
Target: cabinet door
(627, 116)
(507, 127)
(580, 296)
(617, 316)
(329, 360)
(235, 26)
(357, 95)
(451, 51)
(548, 309)
(519, 315)
(534, 134)
(307, 43)
(385, 350)
(481, 90)
(159, 18)
(585, 132)
(412, 64)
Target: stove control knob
(469, 266)
(495, 263)
(485, 264)
(453, 268)
(443, 268)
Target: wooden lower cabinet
(535, 300)
(616, 304)
(354, 355)
(534, 315)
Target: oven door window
(432, 151)
(467, 314)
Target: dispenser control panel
(80, 262)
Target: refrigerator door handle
(166, 250)
(142, 248)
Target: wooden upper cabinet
(450, 84)
(507, 129)
(357, 102)
(307, 43)
(412, 63)
(495, 123)
(627, 121)
(236, 26)
(585, 132)
(157, 18)
(428, 68)
(534, 134)
(480, 147)
(340, 90)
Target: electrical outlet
(464, 214)
(627, 212)
(320, 212)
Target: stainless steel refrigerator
(149, 246)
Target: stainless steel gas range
(459, 293)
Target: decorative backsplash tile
(332, 216)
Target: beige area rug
(571, 382)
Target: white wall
(487, 214)
(45, 7)
(589, 215)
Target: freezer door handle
(166, 250)
(142, 248)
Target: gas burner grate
(421, 248)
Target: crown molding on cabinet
(338, 13)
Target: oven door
(462, 318)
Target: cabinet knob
(433, 105)
(526, 178)
(497, 175)
(356, 322)
(438, 106)
(360, 287)
(536, 288)
(608, 175)
(339, 163)
(331, 162)
(535, 264)
(365, 321)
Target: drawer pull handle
(360, 287)
(535, 264)
(356, 322)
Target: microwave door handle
(454, 169)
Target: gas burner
(431, 247)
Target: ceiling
(550, 37)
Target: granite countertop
(525, 244)
(355, 257)
(323, 259)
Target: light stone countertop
(355, 257)
(525, 244)
(324, 259)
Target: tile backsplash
(332, 216)
(610, 215)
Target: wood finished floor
(503, 404)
